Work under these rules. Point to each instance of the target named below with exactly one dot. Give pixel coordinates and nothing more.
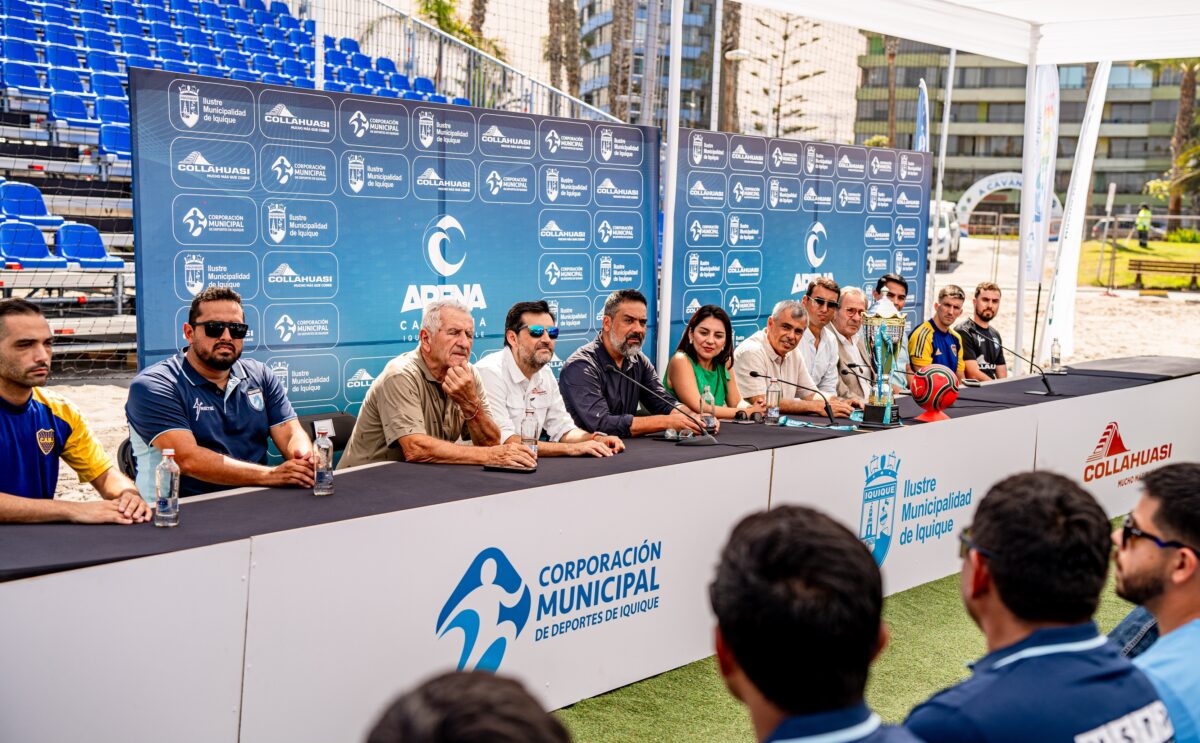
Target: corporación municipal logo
(604, 231)
(1112, 457)
(494, 182)
(553, 273)
(276, 222)
(360, 124)
(490, 606)
(286, 327)
(814, 244)
(195, 222)
(356, 172)
(606, 144)
(193, 273)
(189, 105)
(879, 504)
(553, 141)
(425, 127)
(279, 369)
(282, 168)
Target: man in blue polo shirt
(1034, 564)
(1158, 568)
(215, 409)
(39, 427)
(799, 604)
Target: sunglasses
(831, 303)
(536, 331)
(1129, 531)
(217, 328)
(965, 545)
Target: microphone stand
(704, 439)
(1049, 391)
(828, 410)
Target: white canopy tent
(1030, 32)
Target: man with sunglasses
(518, 378)
(1034, 563)
(1158, 568)
(818, 346)
(215, 409)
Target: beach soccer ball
(935, 389)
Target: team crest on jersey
(255, 397)
(45, 439)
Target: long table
(272, 615)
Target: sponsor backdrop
(337, 218)
(758, 218)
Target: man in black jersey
(981, 343)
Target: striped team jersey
(927, 345)
(32, 438)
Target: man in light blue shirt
(1158, 568)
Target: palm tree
(552, 51)
(731, 25)
(1184, 119)
(478, 16)
(569, 28)
(620, 59)
(891, 45)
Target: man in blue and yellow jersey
(37, 427)
(935, 341)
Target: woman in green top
(703, 358)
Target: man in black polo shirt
(599, 398)
(981, 344)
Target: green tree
(729, 119)
(891, 46)
(1185, 119)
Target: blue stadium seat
(135, 46)
(210, 10)
(329, 42)
(62, 56)
(412, 95)
(210, 70)
(197, 37)
(174, 65)
(170, 50)
(92, 20)
(112, 111)
(335, 58)
(187, 20)
(307, 52)
(163, 32)
(280, 8)
(253, 45)
(101, 41)
(289, 24)
(22, 29)
(147, 4)
(263, 64)
(294, 68)
(225, 40)
(107, 85)
(22, 244)
(423, 85)
(304, 82)
(262, 18)
(461, 101)
(272, 78)
(385, 65)
(18, 9)
(81, 243)
(71, 111)
(310, 26)
(283, 50)
(220, 24)
(361, 90)
(245, 75)
(124, 9)
(130, 27)
(203, 55)
(349, 75)
(155, 15)
(102, 62)
(361, 61)
(387, 93)
(57, 14)
(348, 45)
(56, 33)
(374, 79)
(96, 6)
(184, 5)
(63, 80)
(436, 98)
(15, 50)
(335, 86)
(274, 33)
(137, 60)
(24, 78)
(236, 13)
(299, 38)
(24, 202)
(245, 28)
(234, 60)
(253, 5)
(399, 81)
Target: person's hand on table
(100, 512)
(759, 406)
(841, 408)
(680, 421)
(512, 455)
(589, 448)
(292, 473)
(132, 506)
(614, 443)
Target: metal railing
(457, 68)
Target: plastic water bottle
(530, 430)
(323, 483)
(774, 395)
(1055, 356)
(708, 409)
(166, 489)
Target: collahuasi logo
(279, 114)
(361, 379)
(495, 135)
(552, 231)
(1112, 457)
(879, 505)
(285, 274)
(195, 162)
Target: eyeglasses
(965, 545)
(217, 328)
(1128, 531)
(536, 331)
(830, 303)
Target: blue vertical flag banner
(920, 141)
(338, 217)
(758, 218)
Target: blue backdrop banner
(338, 217)
(758, 218)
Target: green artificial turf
(932, 640)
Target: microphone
(850, 373)
(704, 439)
(828, 410)
(1049, 390)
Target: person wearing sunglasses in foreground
(518, 379)
(1158, 568)
(1034, 563)
(215, 409)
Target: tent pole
(1029, 166)
(930, 278)
(670, 180)
(718, 61)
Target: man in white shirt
(772, 353)
(817, 345)
(854, 372)
(517, 378)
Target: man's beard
(625, 346)
(531, 360)
(1139, 589)
(987, 315)
(219, 364)
(22, 377)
